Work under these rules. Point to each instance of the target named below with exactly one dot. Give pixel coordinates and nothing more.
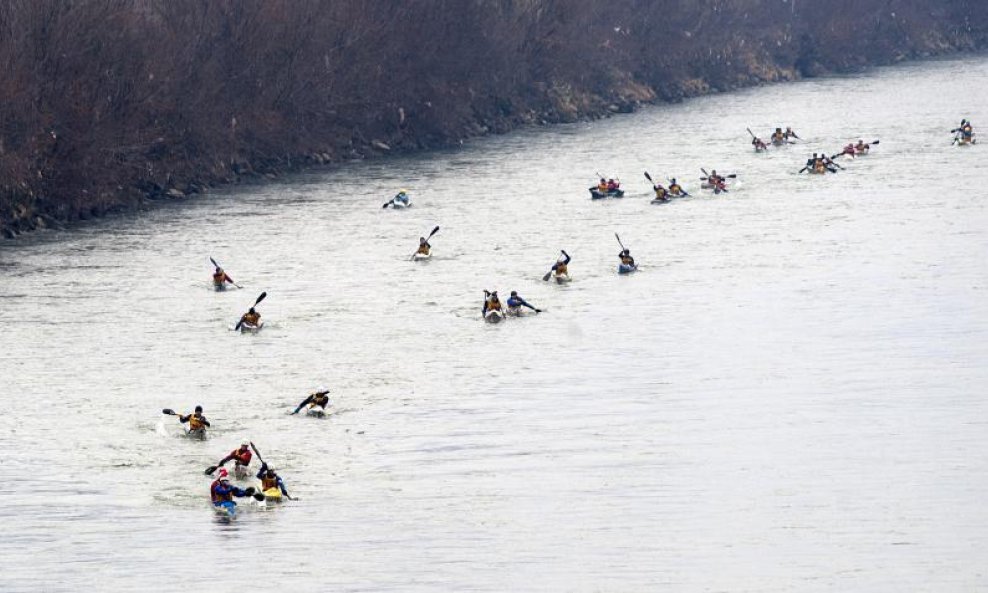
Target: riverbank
(186, 97)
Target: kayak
(198, 434)
(241, 472)
(223, 513)
(399, 203)
(966, 141)
(422, 256)
(273, 495)
(493, 316)
(627, 268)
(315, 411)
(561, 279)
(596, 194)
(660, 201)
(250, 328)
(219, 287)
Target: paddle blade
(434, 231)
(215, 265)
(877, 142)
(263, 296)
(169, 412)
(732, 176)
(258, 496)
(704, 172)
(209, 470)
(547, 275)
(649, 177)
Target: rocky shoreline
(72, 185)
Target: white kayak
(198, 434)
(315, 411)
(493, 316)
(518, 311)
(398, 205)
(422, 256)
(241, 472)
(561, 278)
(250, 328)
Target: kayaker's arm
(184, 419)
(525, 303)
(307, 401)
(260, 472)
(281, 485)
(206, 422)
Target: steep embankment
(112, 104)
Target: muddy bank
(114, 105)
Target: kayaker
(626, 258)
(716, 181)
(402, 196)
(491, 302)
(561, 267)
(319, 398)
(661, 193)
(424, 247)
(861, 147)
(251, 317)
(221, 279)
(758, 144)
(675, 189)
(602, 186)
(240, 456)
(221, 492)
(197, 422)
(269, 479)
(967, 131)
(828, 163)
(778, 137)
(790, 134)
(612, 185)
(849, 150)
(516, 302)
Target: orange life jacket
(268, 483)
(196, 422)
(561, 269)
(252, 318)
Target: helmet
(198, 409)
(223, 475)
(252, 310)
(514, 293)
(403, 191)
(245, 443)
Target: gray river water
(789, 396)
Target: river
(789, 396)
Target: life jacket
(612, 185)
(675, 188)
(268, 483)
(627, 260)
(219, 278)
(242, 457)
(252, 318)
(561, 269)
(220, 493)
(660, 193)
(493, 304)
(602, 186)
(196, 422)
(320, 400)
(424, 249)
(819, 167)
(778, 137)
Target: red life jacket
(242, 457)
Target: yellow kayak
(273, 494)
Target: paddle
(623, 248)
(752, 133)
(257, 302)
(217, 266)
(261, 459)
(169, 412)
(649, 177)
(434, 231)
(388, 203)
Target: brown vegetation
(105, 104)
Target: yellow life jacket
(602, 187)
(252, 318)
(493, 304)
(195, 422)
(675, 188)
(660, 193)
(268, 483)
(423, 249)
(561, 269)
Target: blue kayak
(627, 268)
